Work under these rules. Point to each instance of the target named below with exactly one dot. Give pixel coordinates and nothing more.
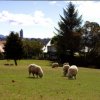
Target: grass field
(15, 83)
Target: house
(49, 51)
(2, 46)
(2, 49)
(49, 48)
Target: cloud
(38, 18)
(53, 2)
(90, 11)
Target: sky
(38, 19)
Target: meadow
(15, 83)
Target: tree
(90, 35)
(13, 47)
(68, 38)
(90, 41)
(32, 48)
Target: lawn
(15, 83)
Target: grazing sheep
(55, 65)
(72, 72)
(35, 70)
(65, 68)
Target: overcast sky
(38, 18)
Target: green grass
(51, 87)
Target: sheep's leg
(64, 74)
(75, 76)
(33, 74)
(70, 77)
(36, 75)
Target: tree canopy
(32, 48)
(13, 47)
(67, 38)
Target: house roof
(1, 49)
(45, 49)
(2, 45)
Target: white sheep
(35, 70)
(65, 68)
(72, 72)
(55, 65)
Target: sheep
(55, 65)
(72, 72)
(65, 68)
(35, 70)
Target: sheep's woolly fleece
(55, 65)
(35, 70)
(65, 68)
(72, 72)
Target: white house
(49, 48)
(49, 51)
(2, 46)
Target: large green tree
(13, 47)
(90, 34)
(90, 41)
(67, 37)
(32, 48)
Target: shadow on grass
(66, 77)
(33, 77)
(8, 64)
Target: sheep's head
(41, 75)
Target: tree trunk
(15, 62)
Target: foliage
(13, 47)
(32, 48)
(68, 38)
(1, 55)
(90, 39)
(90, 34)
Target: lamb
(55, 65)
(35, 70)
(72, 72)
(65, 68)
